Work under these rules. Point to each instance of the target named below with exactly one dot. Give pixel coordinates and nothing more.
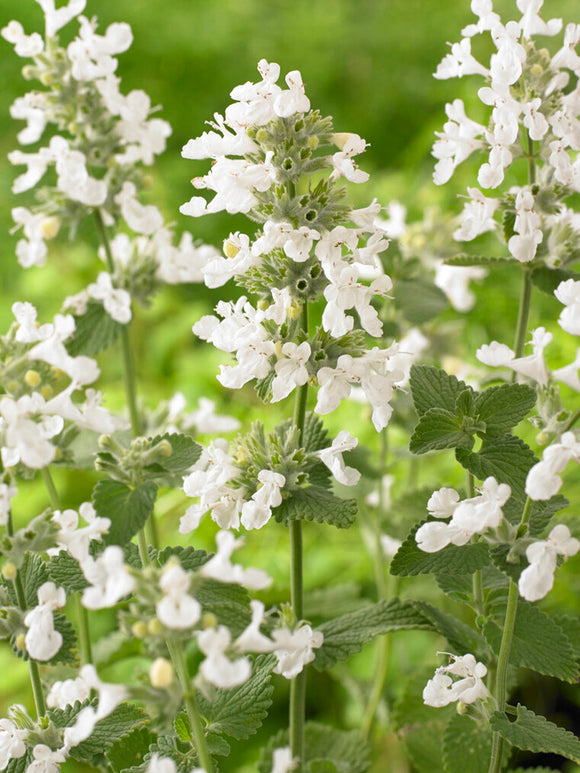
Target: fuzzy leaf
(410, 560)
(108, 731)
(512, 568)
(425, 747)
(184, 453)
(239, 712)
(501, 408)
(507, 458)
(477, 260)
(128, 509)
(131, 749)
(315, 436)
(347, 634)
(542, 513)
(95, 330)
(535, 734)
(189, 558)
(19, 765)
(419, 300)
(547, 279)
(65, 570)
(434, 388)
(538, 643)
(438, 428)
(315, 503)
(461, 637)
(229, 603)
(466, 746)
(346, 749)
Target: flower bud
(340, 139)
(46, 391)
(29, 72)
(164, 447)
(462, 708)
(12, 386)
(57, 372)
(154, 627)
(313, 142)
(46, 78)
(209, 620)
(32, 378)
(20, 641)
(262, 135)
(9, 571)
(230, 249)
(50, 227)
(148, 181)
(161, 673)
(139, 629)
(537, 70)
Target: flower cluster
(469, 688)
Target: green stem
(298, 684)
(572, 420)
(477, 577)
(33, 669)
(523, 313)
(178, 657)
(143, 549)
(504, 657)
(82, 614)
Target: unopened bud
(537, 69)
(340, 139)
(20, 641)
(161, 673)
(294, 311)
(278, 349)
(9, 571)
(50, 227)
(313, 142)
(12, 386)
(46, 391)
(154, 627)
(57, 372)
(139, 629)
(164, 448)
(230, 249)
(32, 378)
(73, 127)
(209, 620)
(46, 78)
(148, 181)
(28, 72)
(544, 52)
(262, 135)
(462, 708)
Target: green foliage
(419, 300)
(240, 711)
(346, 750)
(507, 458)
(109, 731)
(65, 570)
(184, 454)
(547, 279)
(229, 603)
(535, 734)
(501, 408)
(433, 388)
(189, 558)
(95, 330)
(437, 429)
(466, 746)
(345, 635)
(38, 535)
(131, 749)
(410, 560)
(128, 509)
(425, 747)
(461, 637)
(542, 513)
(478, 260)
(315, 503)
(538, 643)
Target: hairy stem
(178, 657)
(298, 684)
(33, 670)
(84, 630)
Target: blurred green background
(369, 64)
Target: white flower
(290, 370)
(293, 100)
(532, 24)
(477, 216)
(282, 760)
(456, 142)
(7, 492)
(251, 640)
(67, 692)
(543, 480)
(217, 668)
(177, 609)
(57, 18)
(258, 510)
(110, 580)
(117, 302)
(24, 45)
(42, 640)
(332, 458)
(442, 503)
(294, 649)
(74, 540)
(442, 689)
(568, 293)
(12, 744)
(46, 760)
(454, 281)
(459, 62)
(342, 161)
(538, 578)
(144, 219)
(220, 567)
(528, 234)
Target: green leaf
(65, 570)
(65, 717)
(189, 558)
(229, 603)
(95, 330)
(538, 643)
(542, 513)
(425, 747)
(239, 712)
(459, 587)
(501, 408)
(512, 568)
(433, 388)
(461, 637)
(466, 746)
(19, 765)
(341, 599)
(184, 453)
(128, 509)
(419, 300)
(315, 436)
(535, 734)
(410, 560)
(315, 503)
(508, 224)
(131, 749)
(547, 279)
(108, 731)
(477, 260)
(571, 627)
(347, 750)
(347, 634)
(438, 428)
(507, 458)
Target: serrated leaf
(571, 627)
(347, 749)
(348, 633)
(35, 573)
(182, 753)
(538, 643)
(19, 765)
(410, 560)
(512, 568)
(461, 637)
(65, 717)
(436, 429)
(410, 709)
(65, 570)
(131, 750)
(184, 453)
(501, 408)
(315, 503)
(315, 436)
(535, 734)
(419, 300)
(542, 513)
(341, 599)
(425, 747)
(94, 331)
(128, 509)
(459, 587)
(466, 746)
(108, 731)
(508, 224)
(189, 558)
(507, 458)
(229, 603)
(547, 279)
(477, 260)
(239, 712)
(434, 388)
(114, 647)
